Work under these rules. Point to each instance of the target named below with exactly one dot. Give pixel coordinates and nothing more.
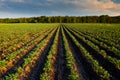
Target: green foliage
(3, 63)
(71, 62)
(95, 65)
(11, 77)
(64, 19)
(36, 44)
(49, 65)
(91, 41)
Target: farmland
(59, 51)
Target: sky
(30, 8)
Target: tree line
(64, 19)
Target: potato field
(52, 51)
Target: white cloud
(2, 0)
(13, 15)
(20, 1)
(17, 0)
(95, 6)
(63, 7)
(103, 6)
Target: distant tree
(64, 19)
(103, 18)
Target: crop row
(61, 53)
(30, 61)
(107, 33)
(18, 46)
(102, 57)
(15, 57)
(111, 49)
(71, 62)
(49, 67)
(115, 61)
(100, 71)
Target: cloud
(2, 0)
(95, 6)
(16, 1)
(61, 7)
(13, 15)
(92, 6)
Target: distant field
(59, 51)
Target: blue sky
(28, 8)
